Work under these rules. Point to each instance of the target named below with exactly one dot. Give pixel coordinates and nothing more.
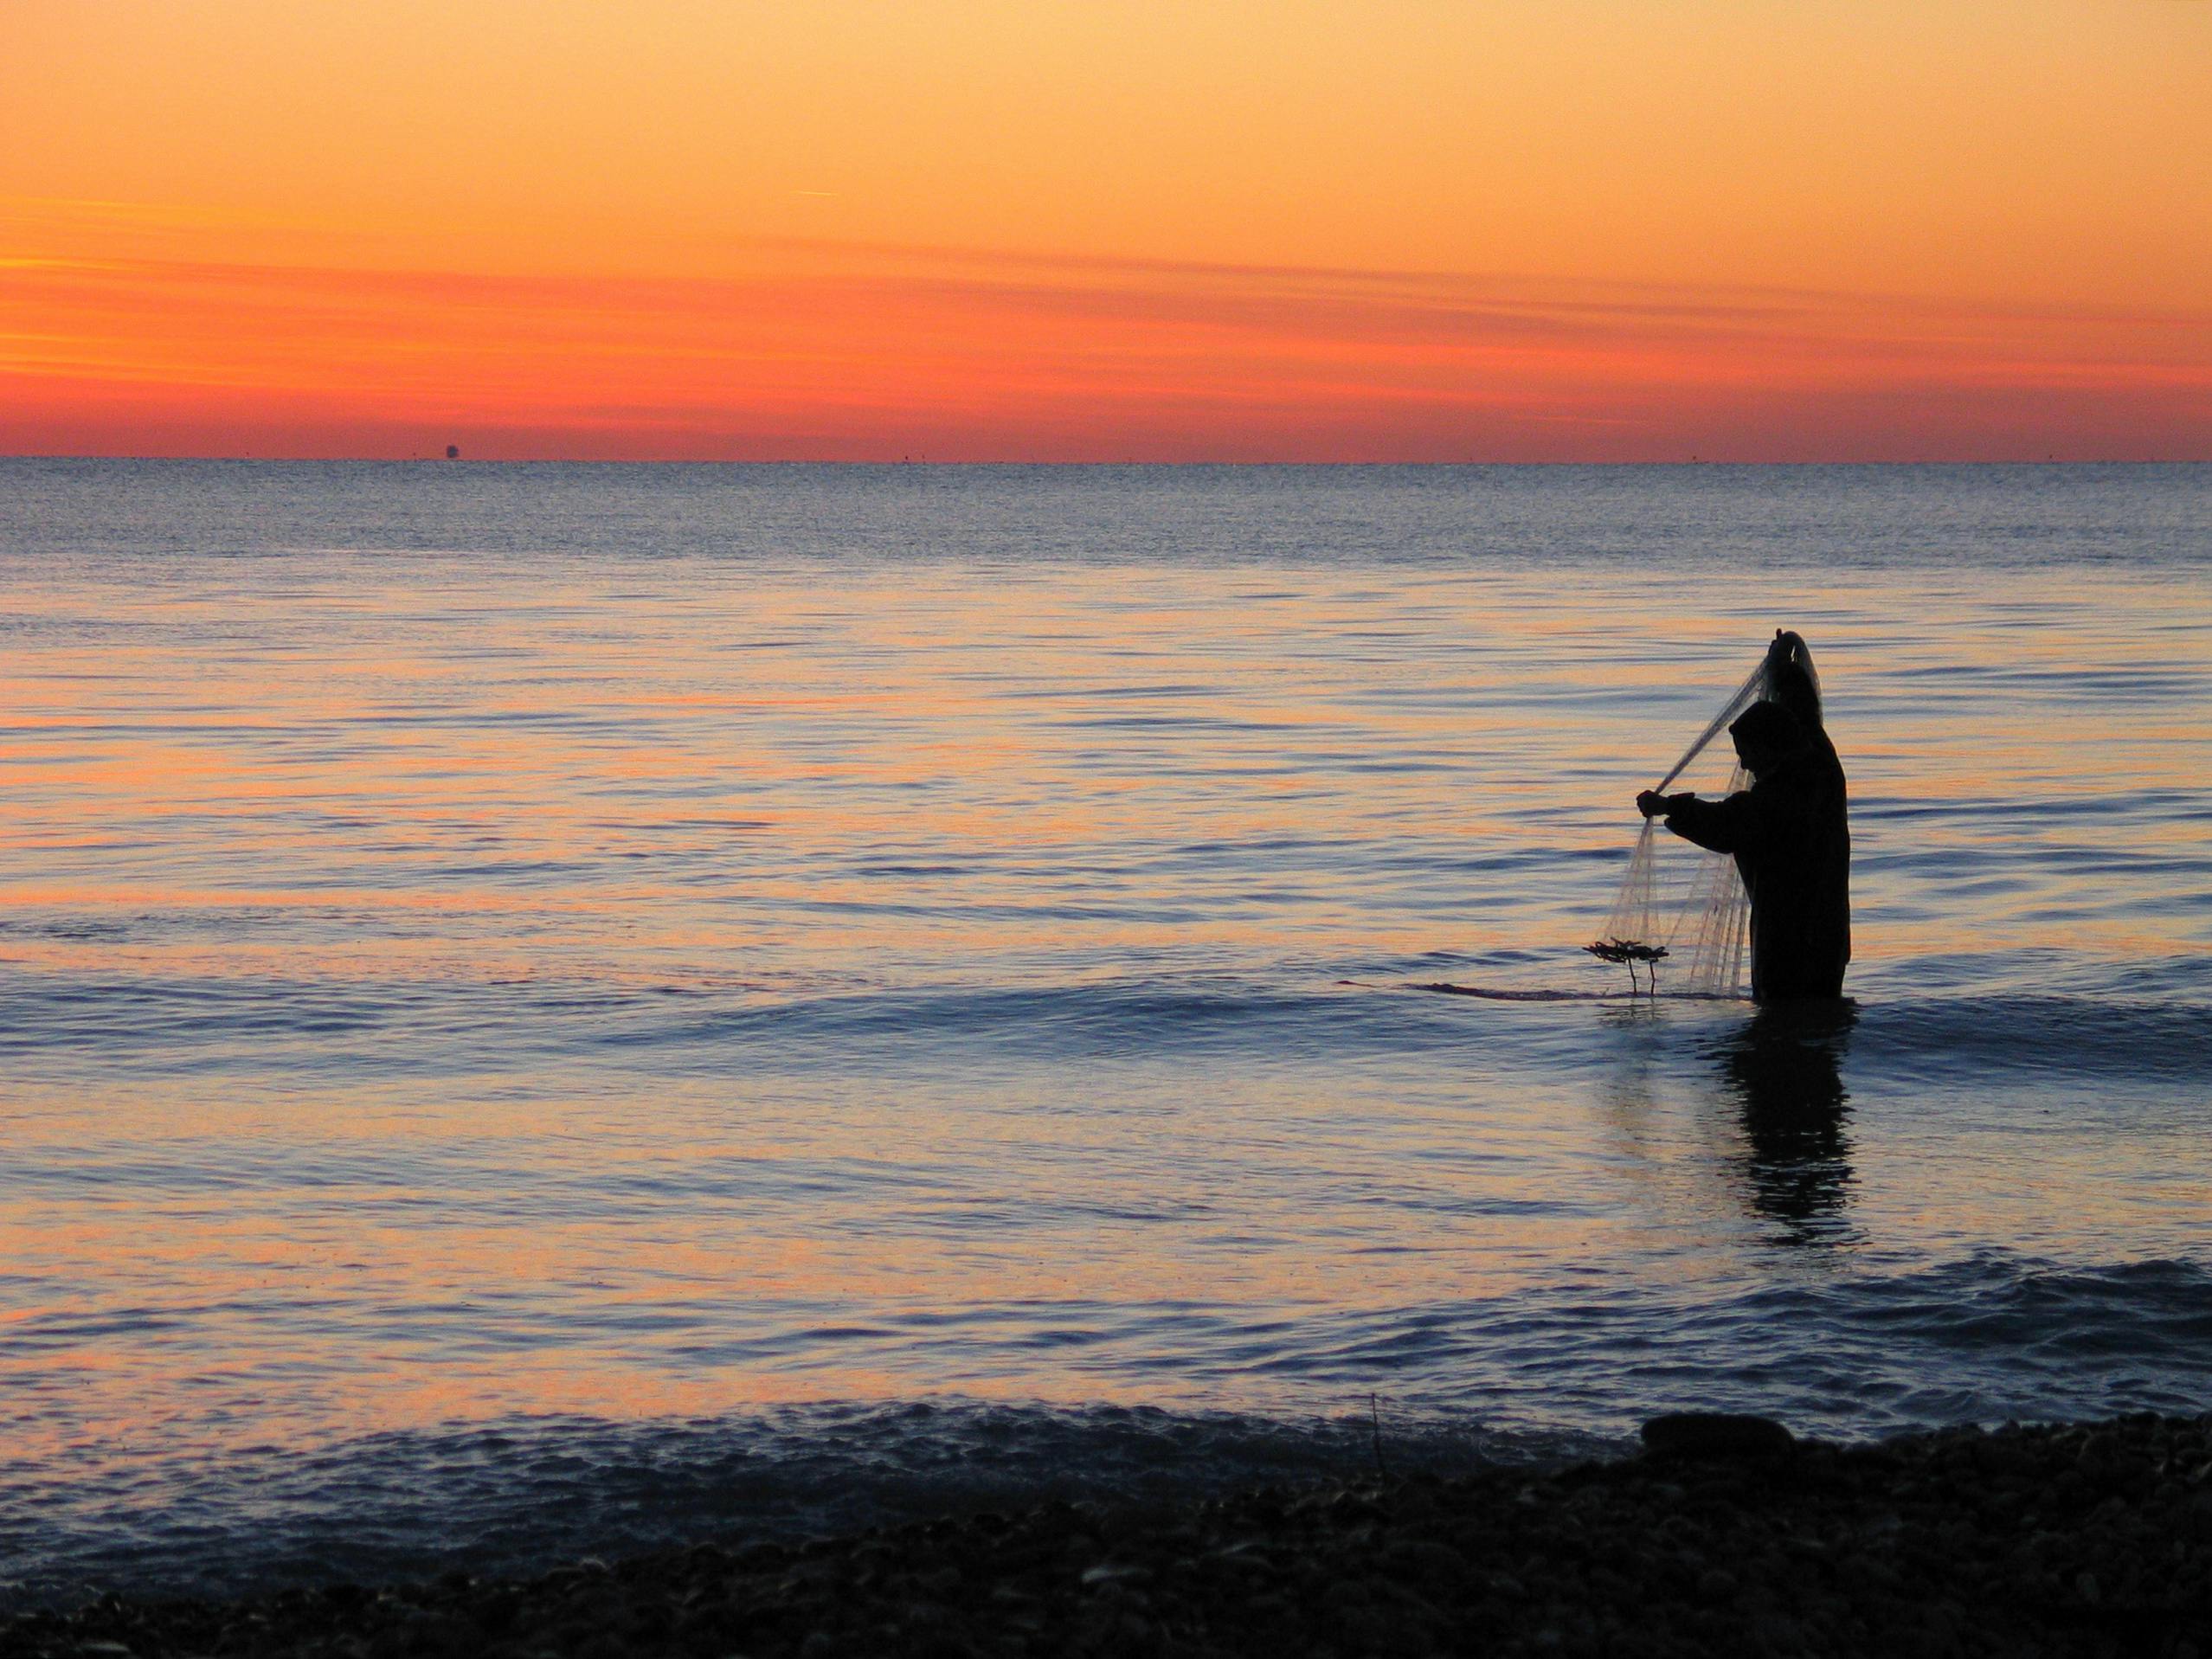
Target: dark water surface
(545, 1007)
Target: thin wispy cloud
(828, 350)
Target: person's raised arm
(1718, 826)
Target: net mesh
(1679, 906)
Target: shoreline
(1725, 1535)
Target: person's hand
(1652, 804)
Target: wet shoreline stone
(1717, 1434)
(1727, 1536)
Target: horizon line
(1002, 461)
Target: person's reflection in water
(1783, 1069)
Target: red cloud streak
(871, 354)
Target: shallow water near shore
(545, 1009)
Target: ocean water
(549, 1009)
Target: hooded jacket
(1790, 836)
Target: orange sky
(1065, 229)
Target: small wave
(522, 1495)
(241, 1023)
(2109, 1039)
(368, 1028)
(1536, 1378)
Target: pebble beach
(1725, 1536)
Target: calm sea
(547, 1008)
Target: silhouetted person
(1789, 832)
(1784, 1070)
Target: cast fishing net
(1679, 903)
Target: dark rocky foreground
(1725, 1537)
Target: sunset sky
(1067, 229)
